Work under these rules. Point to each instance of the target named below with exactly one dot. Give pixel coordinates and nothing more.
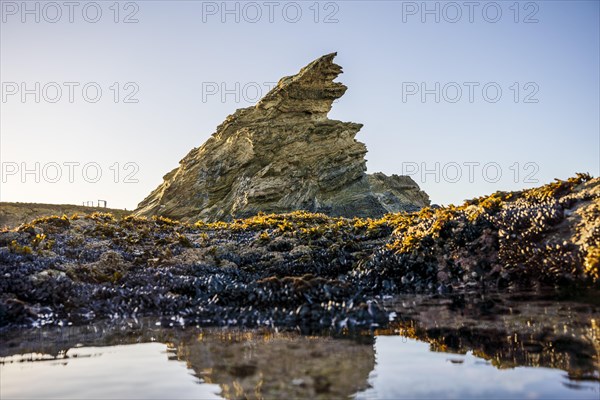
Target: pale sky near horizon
(517, 82)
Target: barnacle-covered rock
(547, 235)
(298, 270)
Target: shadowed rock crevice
(281, 155)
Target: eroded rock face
(283, 154)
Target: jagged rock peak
(283, 154)
(310, 92)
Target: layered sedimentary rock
(283, 154)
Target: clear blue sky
(180, 49)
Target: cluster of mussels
(548, 235)
(297, 270)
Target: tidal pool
(435, 348)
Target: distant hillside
(14, 214)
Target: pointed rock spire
(281, 155)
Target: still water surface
(536, 349)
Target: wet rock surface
(297, 271)
(281, 155)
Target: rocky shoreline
(300, 270)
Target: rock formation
(283, 154)
(301, 270)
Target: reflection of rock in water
(509, 332)
(282, 366)
(522, 331)
(246, 364)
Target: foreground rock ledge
(281, 155)
(297, 270)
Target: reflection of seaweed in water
(508, 333)
(280, 365)
(576, 356)
(262, 363)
